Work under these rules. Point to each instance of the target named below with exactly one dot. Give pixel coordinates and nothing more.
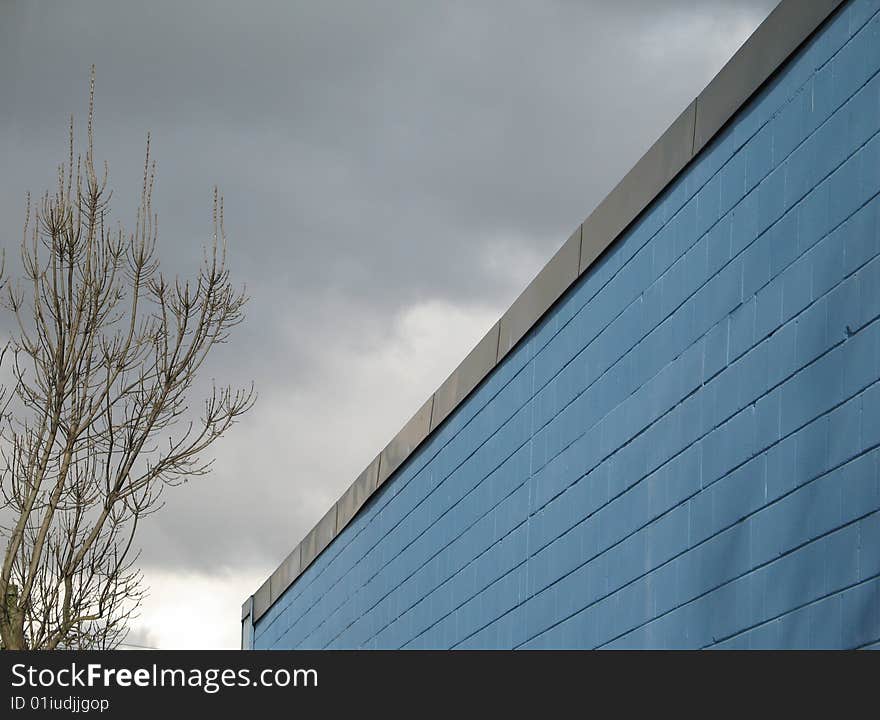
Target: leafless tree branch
(97, 421)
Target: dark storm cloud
(375, 157)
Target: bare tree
(104, 356)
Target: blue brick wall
(685, 452)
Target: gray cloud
(394, 174)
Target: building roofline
(786, 28)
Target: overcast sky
(394, 173)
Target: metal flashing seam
(787, 27)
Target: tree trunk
(12, 622)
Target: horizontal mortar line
(457, 537)
(840, 590)
(703, 487)
(809, 482)
(671, 459)
(448, 544)
(868, 645)
(793, 319)
(832, 112)
(616, 274)
(642, 478)
(702, 437)
(494, 432)
(705, 233)
(794, 204)
(831, 594)
(473, 489)
(814, 601)
(462, 433)
(802, 87)
(680, 504)
(665, 462)
(708, 539)
(582, 308)
(442, 447)
(737, 147)
(440, 484)
(457, 467)
(447, 511)
(774, 114)
(649, 522)
(726, 419)
(497, 580)
(709, 279)
(752, 569)
(730, 210)
(684, 450)
(530, 513)
(687, 198)
(709, 229)
(452, 577)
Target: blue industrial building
(672, 439)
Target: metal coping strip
(784, 30)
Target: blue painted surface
(685, 452)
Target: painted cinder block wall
(685, 451)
